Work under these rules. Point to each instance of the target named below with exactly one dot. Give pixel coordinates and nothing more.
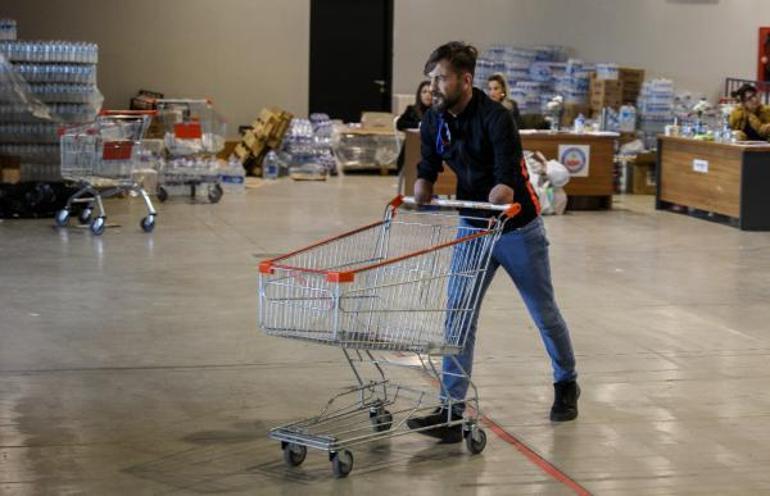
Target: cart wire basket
(405, 285)
(193, 132)
(106, 158)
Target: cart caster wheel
(342, 463)
(294, 454)
(62, 217)
(215, 193)
(381, 419)
(85, 215)
(475, 440)
(98, 225)
(148, 223)
(162, 194)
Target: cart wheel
(161, 194)
(215, 193)
(98, 225)
(85, 215)
(62, 217)
(148, 223)
(342, 463)
(475, 440)
(294, 454)
(382, 420)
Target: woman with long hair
(412, 116)
(498, 90)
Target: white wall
(244, 54)
(697, 43)
(247, 54)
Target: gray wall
(697, 43)
(244, 54)
(247, 54)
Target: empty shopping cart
(408, 285)
(106, 159)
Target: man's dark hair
(744, 92)
(460, 56)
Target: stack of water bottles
(44, 85)
(307, 149)
(656, 108)
(536, 75)
(7, 29)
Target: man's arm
(431, 164)
(506, 146)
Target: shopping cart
(407, 284)
(106, 158)
(193, 134)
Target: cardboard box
(642, 181)
(266, 133)
(572, 110)
(631, 75)
(10, 170)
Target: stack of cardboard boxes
(615, 92)
(631, 81)
(266, 134)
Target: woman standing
(497, 89)
(412, 116)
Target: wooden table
(717, 181)
(596, 184)
(591, 185)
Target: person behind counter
(498, 90)
(750, 118)
(412, 116)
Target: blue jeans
(523, 254)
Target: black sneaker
(565, 401)
(447, 434)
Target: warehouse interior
(146, 302)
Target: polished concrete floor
(132, 364)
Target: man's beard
(443, 103)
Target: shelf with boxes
(44, 85)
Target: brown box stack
(643, 174)
(632, 80)
(572, 110)
(266, 134)
(606, 93)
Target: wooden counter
(730, 180)
(596, 183)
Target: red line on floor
(530, 454)
(533, 457)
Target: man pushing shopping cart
(413, 282)
(478, 139)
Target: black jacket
(484, 150)
(410, 119)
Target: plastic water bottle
(580, 124)
(627, 119)
(232, 177)
(270, 166)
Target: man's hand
(423, 191)
(501, 195)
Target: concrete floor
(132, 364)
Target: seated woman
(412, 116)
(750, 118)
(497, 89)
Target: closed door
(351, 57)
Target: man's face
(447, 86)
